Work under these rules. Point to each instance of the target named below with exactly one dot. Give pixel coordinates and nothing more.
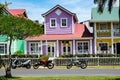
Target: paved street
(64, 72)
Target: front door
(118, 48)
(51, 49)
(66, 47)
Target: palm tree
(102, 3)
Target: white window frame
(61, 22)
(104, 26)
(3, 44)
(51, 22)
(82, 47)
(116, 27)
(66, 48)
(51, 44)
(99, 50)
(35, 52)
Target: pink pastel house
(62, 35)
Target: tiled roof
(80, 32)
(16, 12)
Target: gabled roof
(106, 16)
(81, 32)
(62, 8)
(16, 12)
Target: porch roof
(80, 32)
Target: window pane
(103, 46)
(64, 49)
(103, 27)
(53, 22)
(1, 49)
(68, 49)
(49, 49)
(64, 22)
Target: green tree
(17, 28)
(101, 4)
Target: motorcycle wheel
(83, 65)
(0, 66)
(35, 66)
(50, 65)
(13, 67)
(69, 65)
(28, 66)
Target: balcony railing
(116, 33)
(107, 33)
(103, 33)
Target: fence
(92, 61)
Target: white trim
(58, 6)
(55, 22)
(57, 48)
(46, 47)
(41, 47)
(66, 48)
(107, 46)
(112, 37)
(91, 46)
(4, 43)
(30, 52)
(82, 46)
(106, 26)
(73, 47)
(61, 22)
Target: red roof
(80, 32)
(16, 12)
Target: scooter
(16, 63)
(44, 63)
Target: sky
(34, 8)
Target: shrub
(44, 57)
(19, 52)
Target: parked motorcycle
(78, 63)
(17, 63)
(44, 63)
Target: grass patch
(65, 78)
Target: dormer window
(63, 22)
(52, 22)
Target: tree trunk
(8, 69)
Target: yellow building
(106, 31)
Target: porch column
(57, 48)
(95, 36)
(74, 47)
(112, 37)
(46, 48)
(25, 47)
(41, 48)
(91, 46)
